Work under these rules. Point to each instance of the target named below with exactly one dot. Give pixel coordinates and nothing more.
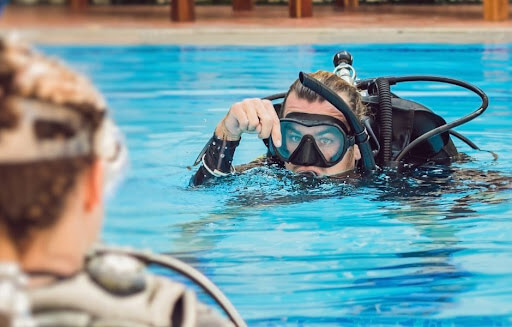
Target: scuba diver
(331, 124)
(59, 152)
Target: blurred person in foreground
(57, 150)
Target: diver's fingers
(276, 129)
(236, 120)
(251, 110)
(266, 118)
(271, 122)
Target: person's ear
(94, 185)
(357, 153)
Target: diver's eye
(295, 138)
(325, 141)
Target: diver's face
(294, 104)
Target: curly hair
(33, 193)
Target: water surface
(429, 248)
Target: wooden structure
(300, 8)
(78, 5)
(495, 10)
(347, 4)
(241, 5)
(184, 10)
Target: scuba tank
(399, 132)
(115, 288)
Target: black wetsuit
(216, 160)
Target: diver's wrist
(222, 133)
(217, 157)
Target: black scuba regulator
(378, 137)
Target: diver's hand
(254, 116)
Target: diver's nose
(307, 155)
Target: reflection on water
(408, 277)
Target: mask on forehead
(45, 132)
(312, 140)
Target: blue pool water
(433, 248)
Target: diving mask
(46, 131)
(312, 140)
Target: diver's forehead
(295, 104)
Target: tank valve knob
(343, 66)
(342, 57)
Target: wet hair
(336, 84)
(34, 192)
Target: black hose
(471, 144)
(464, 139)
(443, 128)
(386, 118)
(275, 96)
(361, 136)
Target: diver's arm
(200, 177)
(216, 160)
(255, 116)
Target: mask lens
(330, 139)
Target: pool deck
(265, 25)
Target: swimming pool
(430, 249)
